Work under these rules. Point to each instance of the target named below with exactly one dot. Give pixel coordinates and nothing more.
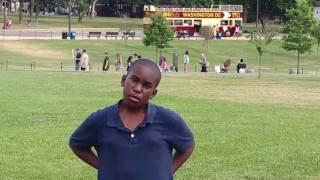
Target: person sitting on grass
(225, 66)
(133, 138)
(241, 66)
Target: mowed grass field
(49, 55)
(244, 128)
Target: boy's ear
(154, 93)
(123, 79)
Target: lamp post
(257, 16)
(4, 14)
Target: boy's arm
(180, 158)
(86, 155)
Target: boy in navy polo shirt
(134, 139)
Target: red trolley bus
(225, 19)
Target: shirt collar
(113, 118)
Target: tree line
(267, 9)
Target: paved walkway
(82, 34)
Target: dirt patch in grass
(37, 51)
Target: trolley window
(187, 22)
(170, 22)
(224, 22)
(178, 22)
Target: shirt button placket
(132, 139)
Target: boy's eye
(147, 86)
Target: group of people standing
(81, 60)
(164, 66)
(204, 63)
(119, 61)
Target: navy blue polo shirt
(144, 154)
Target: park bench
(112, 34)
(128, 34)
(94, 34)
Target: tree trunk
(9, 5)
(318, 49)
(20, 10)
(31, 10)
(262, 24)
(37, 10)
(298, 64)
(80, 18)
(15, 6)
(93, 8)
(260, 63)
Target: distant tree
(315, 3)
(93, 8)
(37, 5)
(207, 33)
(151, 2)
(283, 5)
(261, 40)
(316, 34)
(31, 11)
(298, 29)
(159, 34)
(82, 7)
(20, 11)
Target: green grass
(244, 128)
(48, 55)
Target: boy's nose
(138, 88)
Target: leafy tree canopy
(297, 30)
(159, 33)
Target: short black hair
(150, 64)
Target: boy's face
(139, 86)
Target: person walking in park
(204, 63)
(119, 64)
(135, 139)
(186, 61)
(84, 63)
(106, 62)
(129, 62)
(77, 59)
(175, 62)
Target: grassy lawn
(48, 55)
(244, 128)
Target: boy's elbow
(191, 148)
